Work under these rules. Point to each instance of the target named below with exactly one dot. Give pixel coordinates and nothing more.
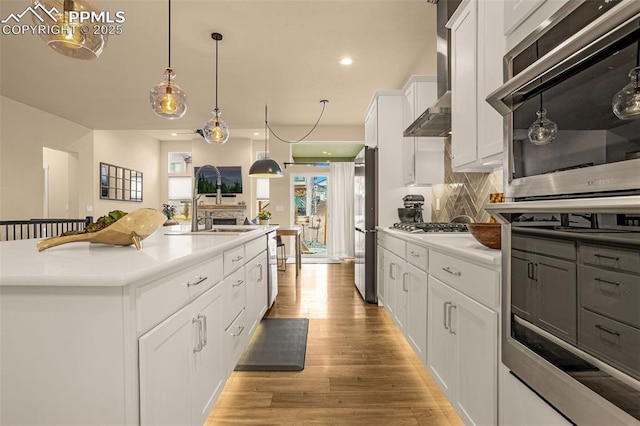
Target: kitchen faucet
(194, 199)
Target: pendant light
(216, 131)
(542, 131)
(266, 167)
(626, 103)
(167, 99)
(70, 38)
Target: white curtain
(341, 222)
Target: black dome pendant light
(266, 167)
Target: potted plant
(264, 217)
(169, 211)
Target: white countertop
(460, 244)
(89, 264)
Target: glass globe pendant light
(216, 131)
(542, 131)
(167, 99)
(66, 35)
(266, 167)
(626, 103)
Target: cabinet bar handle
(199, 279)
(607, 330)
(404, 281)
(198, 347)
(260, 265)
(530, 270)
(237, 259)
(391, 271)
(241, 329)
(414, 254)
(203, 319)
(602, 280)
(238, 283)
(446, 311)
(452, 272)
(451, 330)
(602, 256)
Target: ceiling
(282, 53)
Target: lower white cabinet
(462, 352)
(415, 283)
(257, 290)
(396, 287)
(181, 367)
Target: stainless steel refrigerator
(366, 219)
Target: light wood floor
(359, 370)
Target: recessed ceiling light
(256, 134)
(174, 134)
(346, 61)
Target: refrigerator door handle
(366, 231)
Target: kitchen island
(97, 334)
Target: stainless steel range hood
(436, 120)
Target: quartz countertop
(93, 264)
(460, 244)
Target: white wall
(61, 168)
(133, 150)
(25, 131)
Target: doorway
(310, 192)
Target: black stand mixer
(412, 211)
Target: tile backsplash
(463, 193)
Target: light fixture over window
(266, 167)
(168, 100)
(69, 37)
(216, 131)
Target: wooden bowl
(487, 234)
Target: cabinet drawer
(418, 256)
(475, 281)
(610, 257)
(548, 247)
(157, 300)
(255, 247)
(233, 259)
(393, 244)
(613, 294)
(236, 337)
(234, 288)
(615, 341)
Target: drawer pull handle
(602, 280)
(237, 258)
(449, 270)
(602, 256)
(238, 283)
(607, 330)
(240, 330)
(199, 279)
(414, 254)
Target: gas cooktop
(422, 227)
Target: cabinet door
(401, 293)
(522, 285)
(475, 331)
(381, 274)
(408, 160)
(256, 291)
(416, 332)
(440, 346)
(517, 11)
(389, 282)
(165, 374)
(371, 126)
(208, 372)
(556, 305)
(464, 86)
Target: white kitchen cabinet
(257, 290)
(462, 352)
(371, 126)
(381, 272)
(477, 50)
(397, 285)
(415, 282)
(423, 157)
(181, 368)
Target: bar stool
(280, 245)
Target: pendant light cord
(216, 75)
(169, 44)
(324, 104)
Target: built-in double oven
(571, 223)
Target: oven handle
(598, 28)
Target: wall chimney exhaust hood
(436, 120)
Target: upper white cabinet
(477, 50)
(423, 157)
(522, 17)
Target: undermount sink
(219, 231)
(229, 230)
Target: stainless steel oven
(571, 225)
(571, 102)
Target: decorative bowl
(487, 234)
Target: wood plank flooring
(359, 369)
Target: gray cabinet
(544, 290)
